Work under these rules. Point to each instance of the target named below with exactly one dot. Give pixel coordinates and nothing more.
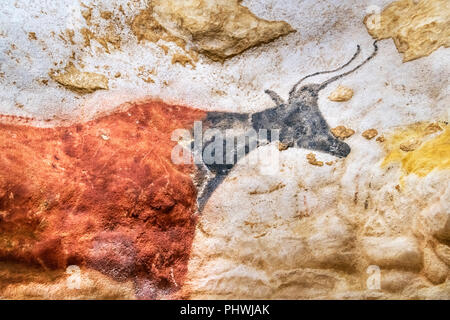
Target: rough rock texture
(220, 29)
(21, 281)
(342, 132)
(216, 28)
(317, 236)
(370, 134)
(277, 228)
(312, 160)
(417, 27)
(146, 27)
(341, 94)
(81, 82)
(103, 195)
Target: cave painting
(89, 186)
(105, 175)
(102, 194)
(298, 123)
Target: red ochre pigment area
(103, 195)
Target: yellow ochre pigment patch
(432, 152)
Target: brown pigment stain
(145, 74)
(32, 36)
(182, 59)
(87, 15)
(342, 132)
(81, 82)
(20, 281)
(370, 134)
(105, 38)
(311, 157)
(107, 15)
(283, 146)
(102, 195)
(341, 94)
(410, 145)
(107, 34)
(145, 27)
(70, 34)
(270, 190)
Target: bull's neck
(227, 120)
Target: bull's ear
(275, 97)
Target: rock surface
(390, 252)
(342, 132)
(92, 206)
(370, 134)
(341, 94)
(417, 27)
(219, 29)
(81, 82)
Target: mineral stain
(80, 82)
(433, 152)
(218, 29)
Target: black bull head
(298, 121)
